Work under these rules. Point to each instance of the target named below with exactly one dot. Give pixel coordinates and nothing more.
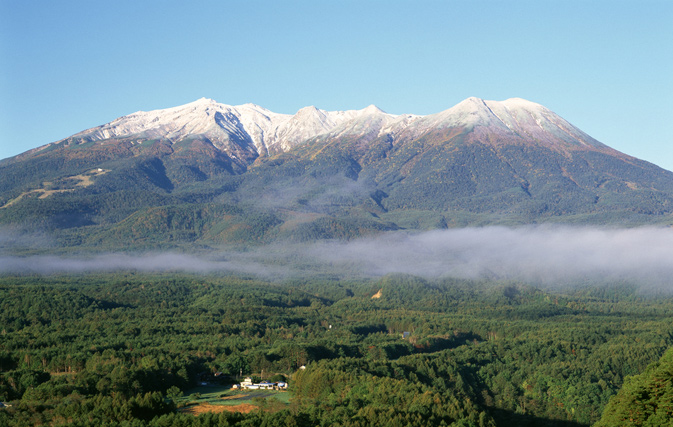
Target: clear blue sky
(605, 66)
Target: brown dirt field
(207, 407)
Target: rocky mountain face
(209, 172)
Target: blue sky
(605, 66)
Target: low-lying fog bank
(540, 254)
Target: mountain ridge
(261, 132)
(207, 172)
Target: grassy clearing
(217, 399)
(82, 180)
(224, 395)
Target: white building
(247, 384)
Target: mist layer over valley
(546, 255)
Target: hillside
(645, 399)
(208, 173)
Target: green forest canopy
(116, 349)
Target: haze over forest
(546, 255)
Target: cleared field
(222, 398)
(82, 180)
(207, 407)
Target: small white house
(247, 384)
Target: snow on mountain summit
(248, 123)
(512, 118)
(259, 131)
(530, 120)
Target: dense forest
(645, 399)
(127, 349)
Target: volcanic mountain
(207, 172)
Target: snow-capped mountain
(512, 118)
(206, 172)
(248, 125)
(248, 131)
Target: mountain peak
(201, 102)
(253, 106)
(520, 103)
(309, 109)
(372, 109)
(205, 100)
(514, 121)
(473, 104)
